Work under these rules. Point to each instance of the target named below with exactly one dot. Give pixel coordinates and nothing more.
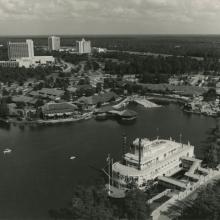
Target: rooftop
(158, 146)
(128, 113)
(101, 98)
(47, 92)
(173, 181)
(63, 107)
(24, 99)
(152, 150)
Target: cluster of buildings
(199, 80)
(26, 102)
(82, 46)
(199, 106)
(21, 54)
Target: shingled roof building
(101, 98)
(48, 93)
(58, 110)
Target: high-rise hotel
(83, 46)
(53, 43)
(18, 50)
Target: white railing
(164, 193)
(182, 195)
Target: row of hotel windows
(164, 166)
(152, 173)
(155, 160)
(128, 179)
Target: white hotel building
(83, 46)
(149, 160)
(53, 43)
(18, 50)
(21, 54)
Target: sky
(45, 17)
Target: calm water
(38, 175)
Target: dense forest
(93, 203)
(22, 74)
(185, 45)
(156, 69)
(72, 58)
(199, 46)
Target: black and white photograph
(109, 109)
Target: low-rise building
(28, 62)
(58, 110)
(98, 99)
(99, 49)
(9, 64)
(35, 61)
(48, 93)
(130, 78)
(24, 99)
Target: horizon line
(66, 35)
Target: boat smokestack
(124, 148)
(139, 154)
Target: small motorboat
(7, 151)
(72, 158)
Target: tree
(66, 95)
(88, 203)
(39, 103)
(92, 203)
(135, 205)
(98, 87)
(20, 105)
(210, 95)
(212, 156)
(5, 92)
(4, 110)
(205, 207)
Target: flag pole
(109, 177)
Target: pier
(141, 100)
(186, 188)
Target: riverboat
(147, 160)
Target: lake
(38, 175)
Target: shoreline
(151, 97)
(161, 97)
(45, 122)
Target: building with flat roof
(18, 50)
(9, 64)
(53, 43)
(35, 61)
(83, 46)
